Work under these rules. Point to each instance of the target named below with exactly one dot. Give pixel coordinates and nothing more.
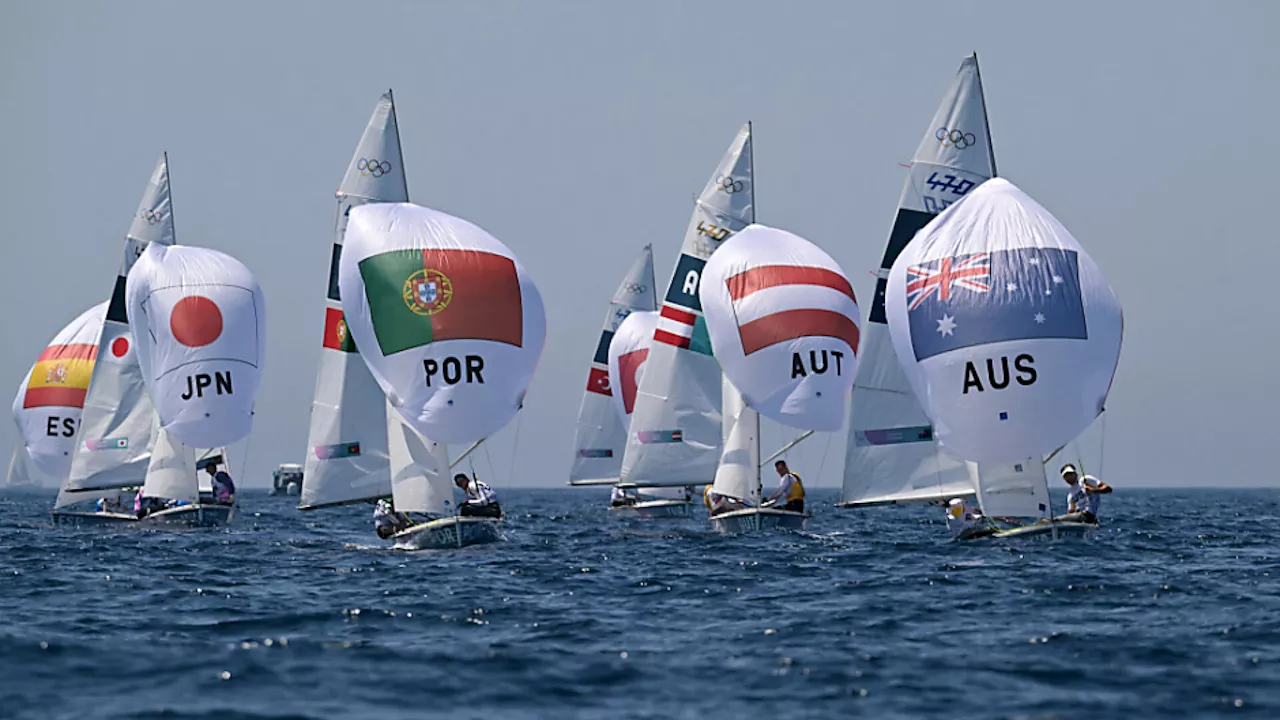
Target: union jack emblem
(939, 276)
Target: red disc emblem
(120, 346)
(195, 321)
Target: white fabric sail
(1005, 327)
(346, 459)
(118, 425)
(50, 400)
(23, 473)
(1011, 489)
(627, 355)
(891, 454)
(738, 473)
(172, 471)
(200, 318)
(445, 316)
(420, 477)
(784, 324)
(602, 435)
(675, 429)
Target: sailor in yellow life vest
(790, 489)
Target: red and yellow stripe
(61, 376)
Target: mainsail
(1012, 489)
(346, 458)
(602, 434)
(738, 472)
(118, 425)
(675, 434)
(892, 454)
(420, 477)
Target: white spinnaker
(346, 458)
(172, 471)
(628, 354)
(200, 317)
(891, 454)
(738, 472)
(1005, 327)
(118, 425)
(675, 433)
(446, 317)
(602, 435)
(783, 322)
(1011, 489)
(49, 402)
(420, 477)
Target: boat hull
(655, 510)
(750, 520)
(449, 533)
(77, 519)
(1064, 529)
(197, 515)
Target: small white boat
(655, 509)
(449, 533)
(1057, 529)
(748, 520)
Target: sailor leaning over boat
(790, 490)
(1084, 497)
(482, 501)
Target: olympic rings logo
(372, 166)
(152, 217)
(727, 184)
(635, 288)
(959, 138)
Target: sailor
(790, 489)
(224, 491)
(965, 522)
(386, 521)
(688, 493)
(619, 497)
(482, 501)
(1084, 497)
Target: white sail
(346, 458)
(420, 477)
(1011, 489)
(118, 425)
(1005, 327)
(602, 436)
(172, 471)
(738, 473)
(675, 429)
(23, 473)
(891, 454)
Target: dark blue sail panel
(1022, 294)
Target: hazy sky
(576, 132)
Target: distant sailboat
(892, 454)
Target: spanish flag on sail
(61, 376)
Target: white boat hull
(655, 510)
(748, 520)
(62, 517)
(1064, 529)
(197, 515)
(448, 533)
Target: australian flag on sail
(992, 297)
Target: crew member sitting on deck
(790, 489)
(224, 491)
(388, 522)
(619, 497)
(966, 523)
(482, 501)
(1084, 497)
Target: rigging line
(823, 462)
(515, 450)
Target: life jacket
(796, 491)
(706, 497)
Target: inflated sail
(444, 315)
(346, 459)
(891, 454)
(602, 435)
(783, 322)
(118, 425)
(200, 318)
(627, 355)
(1004, 326)
(51, 398)
(675, 429)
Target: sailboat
(22, 474)
(200, 318)
(118, 425)
(1011, 335)
(451, 327)
(783, 322)
(892, 454)
(347, 458)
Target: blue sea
(1171, 610)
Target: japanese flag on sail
(199, 322)
(627, 354)
(784, 325)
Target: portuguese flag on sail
(336, 336)
(417, 297)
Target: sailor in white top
(482, 501)
(620, 496)
(1084, 496)
(966, 523)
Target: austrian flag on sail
(784, 325)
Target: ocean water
(1172, 610)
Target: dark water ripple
(1173, 611)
